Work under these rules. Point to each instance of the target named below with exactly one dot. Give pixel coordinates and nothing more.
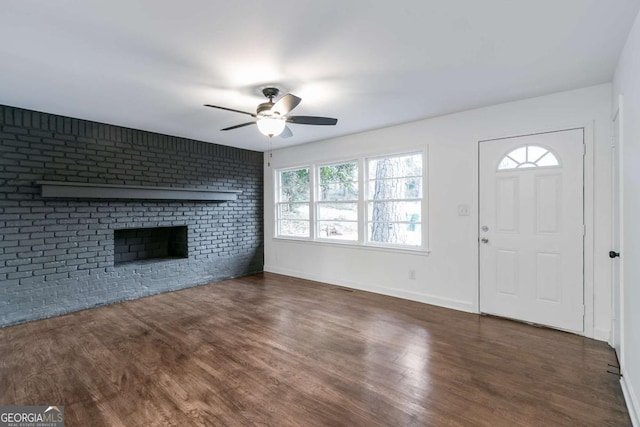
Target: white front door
(532, 228)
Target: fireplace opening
(149, 244)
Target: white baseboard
(408, 295)
(631, 399)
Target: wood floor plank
(277, 351)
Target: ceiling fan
(272, 117)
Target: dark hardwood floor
(271, 350)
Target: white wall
(627, 83)
(448, 276)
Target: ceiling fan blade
(285, 104)
(239, 126)
(230, 109)
(286, 133)
(312, 120)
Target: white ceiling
(151, 64)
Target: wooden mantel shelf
(64, 189)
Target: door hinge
(582, 310)
(584, 230)
(584, 149)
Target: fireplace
(149, 244)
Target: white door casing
(532, 228)
(616, 237)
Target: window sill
(350, 245)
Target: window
(528, 156)
(366, 201)
(292, 206)
(337, 206)
(394, 200)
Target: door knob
(484, 240)
(614, 254)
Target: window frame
(421, 200)
(535, 164)
(362, 162)
(279, 202)
(318, 202)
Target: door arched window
(528, 156)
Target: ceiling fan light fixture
(270, 126)
(271, 117)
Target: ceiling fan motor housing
(264, 109)
(270, 92)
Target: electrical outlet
(464, 210)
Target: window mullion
(276, 196)
(424, 199)
(313, 191)
(363, 189)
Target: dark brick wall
(57, 256)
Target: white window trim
(277, 203)
(361, 243)
(317, 201)
(353, 245)
(422, 200)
